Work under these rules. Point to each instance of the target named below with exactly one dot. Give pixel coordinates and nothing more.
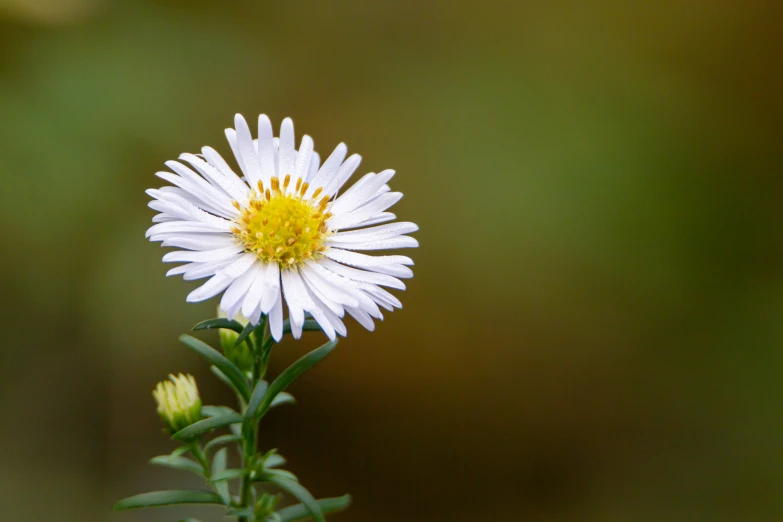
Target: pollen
(283, 226)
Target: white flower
(283, 232)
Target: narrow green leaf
(294, 371)
(327, 505)
(216, 411)
(282, 398)
(220, 322)
(281, 474)
(168, 498)
(255, 402)
(190, 519)
(296, 490)
(274, 460)
(180, 451)
(204, 425)
(219, 463)
(228, 474)
(170, 461)
(245, 333)
(223, 439)
(228, 368)
(222, 376)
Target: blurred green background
(595, 329)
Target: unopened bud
(178, 402)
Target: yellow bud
(178, 401)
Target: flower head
(178, 402)
(282, 232)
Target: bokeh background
(595, 329)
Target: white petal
(235, 293)
(287, 153)
(250, 159)
(164, 218)
(364, 212)
(381, 217)
(199, 241)
(202, 270)
(364, 276)
(266, 153)
(315, 162)
(361, 193)
(394, 270)
(363, 260)
(328, 169)
(231, 136)
(295, 296)
(217, 161)
(253, 298)
(375, 233)
(216, 177)
(381, 244)
(303, 158)
(363, 318)
(314, 274)
(344, 173)
(201, 256)
(159, 231)
(271, 288)
(209, 289)
(276, 319)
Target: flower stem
(250, 442)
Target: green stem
(249, 445)
(197, 452)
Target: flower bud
(178, 402)
(239, 355)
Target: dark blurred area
(595, 328)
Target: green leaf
(228, 474)
(168, 498)
(255, 402)
(274, 460)
(327, 505)
(223, 439)
(282, 398)
(294, 371)
(219, 463)
(222, 376)
(216, 411)
(244, 334)
(220, 322)
(281, 473)
(180, 451)
(204, 425)
(218, 359)
(190, 519)
(170, 461)
(296, 490)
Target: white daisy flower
(284, 232)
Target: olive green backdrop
(595, 329)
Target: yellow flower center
(283, 227)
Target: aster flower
(283, 232)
